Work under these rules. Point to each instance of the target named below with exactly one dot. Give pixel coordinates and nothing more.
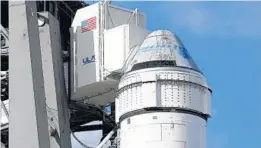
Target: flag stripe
(89, 24)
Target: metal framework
(27, 73)
(80, 113)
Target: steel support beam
(28, 125)
(110, 134)
(5, 110)
(53, 72)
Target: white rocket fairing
(164, 99)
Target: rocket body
(163, 99)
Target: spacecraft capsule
(164, 99)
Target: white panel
(140, 136)
(149, 94)
(117, 107)
(88, 76)
(173, 132)
(163, 130)
(135, 98)
(180, 95)
(176, 144)
(123, 107)
(139, 95)
(82, 15)
(86, 62)
(207, 104)
(116, 16)
(173, 90)
(194, 130)
(129, 101)
(187, 76)
(150, 132)
(148, 76)
(202, 137)
(117, 43)
(98, 93)
(169, 94)
(137, 35)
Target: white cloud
(229, 18)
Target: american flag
(88, 24)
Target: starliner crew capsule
(164, 100)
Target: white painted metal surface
(56, 100)
(87, 59)
(81, 15)
(90, 88)
(28, 126)
(163, 87)
(114, 16)
(107, 17)
(163, 130)
(99, 54)
(117, 44)
(162, 96)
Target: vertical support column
(28, 126)
(56, 99)
(71, 66)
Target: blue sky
(224, 39)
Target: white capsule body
(163, 99)
(163, 130)
(163, 108)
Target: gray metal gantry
(38, 101)
(28, 126)
(55, 92)
(26, 98)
